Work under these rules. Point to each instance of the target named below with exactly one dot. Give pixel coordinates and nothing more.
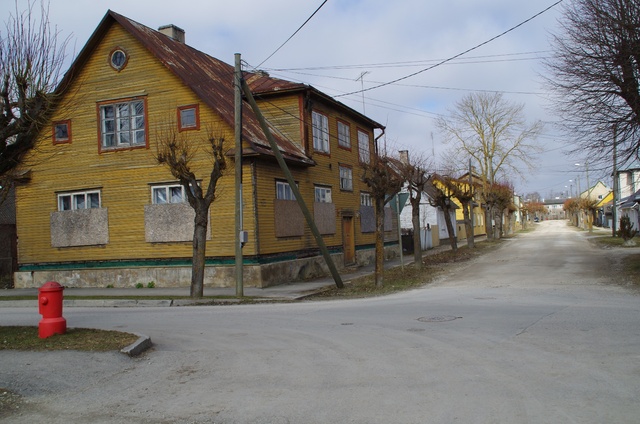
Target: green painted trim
(365, 247)
(178, 262)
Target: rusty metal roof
(209, 78)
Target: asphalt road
(540, 331)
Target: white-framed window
(363, 147)
(163, 194)
(346, 178)
(122, 124)
(344, 135)
(320, 132)
(283, 191)
(365, 199)
(89, 199)
(323, 194)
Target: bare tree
(177, 153)
(464, 192)
(383, 181)
(414, 173)
(31, 59)
(440, 197)
(495, 134)
(595, 74)
(498, 198)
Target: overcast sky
(381, 41)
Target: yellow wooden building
(99, 210)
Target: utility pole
(473, 236)
(614, 211)
(399, 231)
(239, 239)
(294, 187)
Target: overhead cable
(453, 57)
(292, 35)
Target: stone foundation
(261, 276)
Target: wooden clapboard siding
(285, 113)
(325, 173)
(123, 176)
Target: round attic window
(118, 59)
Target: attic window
(62, 132)
(188, 117)
(118, 59)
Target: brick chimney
(404, 156)
(173, 31)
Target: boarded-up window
(170, 222)
(388, 218)
(367, 219)
(289, 221)
(324, 215)
(80, 227)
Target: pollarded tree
(440, 197)
(572, 207)
(498, 198)
(589, 207)
(595, 74)
(414, 173)
(464, 191)
(537, 208)
(383, 180)
(31, 60)
(177, 153)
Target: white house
(433, 227)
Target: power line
(505, 57)
(292, 35)
(456, 56)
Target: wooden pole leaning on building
(237, 78)
(292, 184)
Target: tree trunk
(498, 227)
(415, 221)
(488, 219)
(379, 265)
(199, 253)
(468, 225)
(452, 236)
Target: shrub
(626, 231)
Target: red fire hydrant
(50, 307)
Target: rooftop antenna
(433, 146)
(361, 78)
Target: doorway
(348, 239)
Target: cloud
(349, 37)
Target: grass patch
(609, 241)
(83, 339)
(398, 279)
(631, 267)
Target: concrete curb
(139, 346)
(137, 303)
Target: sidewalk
(144, 297)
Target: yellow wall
(325, 173)
(124, 175)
